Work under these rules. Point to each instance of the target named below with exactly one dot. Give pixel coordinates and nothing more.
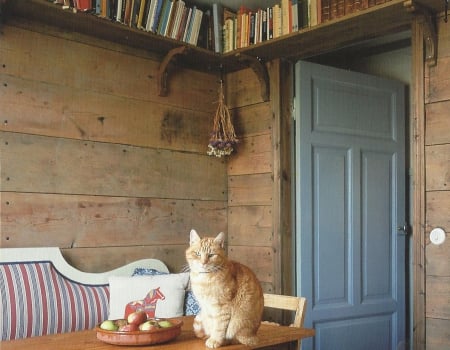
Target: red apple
(148, 325)
(130, 327)
(137, 317)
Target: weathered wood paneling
(438, 334)
(439, 85)
(438, 297)
(75, 221)
(252, 120)
(94, 161)
(254, 156)
(250, 225)
(437, 120)
(259, 259)
(437, 158)
(438, 209)
(55, 165)
(242, 88)
(250, 190)
(438, 259)
(101, 259)
(46, 58)
(53, 110)
(250, 179)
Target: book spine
(325, 11)
(340, 8)
(217, 27)
(251, 28)
(270, 22)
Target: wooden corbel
(261, 72)
(429, 33)
(163, 71)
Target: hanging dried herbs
(223, 138)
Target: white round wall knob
(437, 236)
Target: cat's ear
(220, 239)
(193, 237)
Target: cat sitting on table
(229, 294)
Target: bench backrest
(40, 293)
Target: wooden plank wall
(93, 161)
(254, 177)
(437, 160)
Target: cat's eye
(211, 255)
(197, 253)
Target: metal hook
(446, 11)
(221, 73)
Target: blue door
(350, 202)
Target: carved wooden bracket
(431, 40)
(429, 34)
(261, 72)
(163, 71)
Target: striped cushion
(37, 300)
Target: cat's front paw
(213, 343)
(198, 328)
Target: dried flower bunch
(223, 138)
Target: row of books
(217, 27)
(238, 29)
(169, 18)
(331, 9)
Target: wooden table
(87, 340)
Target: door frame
(282, 81)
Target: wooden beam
(418, 147)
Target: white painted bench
(40, 293)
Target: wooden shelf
(391, 17)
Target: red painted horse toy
(148, 304)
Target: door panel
(350, 199)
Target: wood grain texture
(437, 167)
(48, 109)
(253, 189)
(437, 123)
(255, 156)
(438, 260)
(259, 259)
(33, 56)
(93, 160)
(437, 158)
(438, 297)
(438, 334)
(418, 198)
(75, 221)
(438, 207)
(242, 88)
(66, 166)
(101, 259)
(253, 119)
(268, 335)
(250, 225)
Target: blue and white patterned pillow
(144, 271)
(191, 306)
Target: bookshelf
(390, 17)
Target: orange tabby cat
(229, 294)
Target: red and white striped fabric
(36, 300)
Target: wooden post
(418, 147)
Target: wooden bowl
(135, 338)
